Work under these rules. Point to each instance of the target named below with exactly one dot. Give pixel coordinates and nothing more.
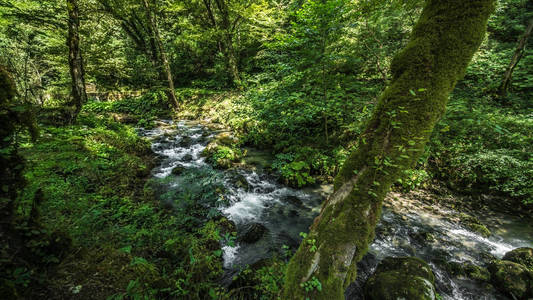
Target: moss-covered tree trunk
(442, 44)
(77, 72)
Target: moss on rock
(511, 278)
(397, 278)
(523, 256)
(474, 224)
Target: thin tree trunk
(442, 44)
(227, 43)
(165, 73)
(519, 52)
(77, 73)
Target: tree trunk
(442, 44)
(226, 42)
(159, 52)
(519, 52)
(77, 73)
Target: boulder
(186, 142)
(294, 200)
(467, 270)
(253, 233)
(187, 157)
(474, 224)
(239, 180)
(401, 278)
(178, 170)
(523, 256)
(423, 237)
(511, 278)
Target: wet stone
(511, 278)
(239, 181)
(187, 157)
(186, 142)
(293, 200)
(253, 233)
(401, 278)
(523, 256)
(178, 170)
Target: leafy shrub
(498, 170)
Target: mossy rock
(523, 256)
(474, 224)
(480, 228)
(239, 180)
(511, 278)
(221, 156)
(226, 138)
(178, 170)
(410, 265)
(187, 157)
(401, 278)
(186, 142)
(253, 233)
(476, 272)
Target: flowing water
(282, 212)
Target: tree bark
(165, 72)
(442, 44)
(77, 72)
(519, 52)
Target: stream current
(404, 230)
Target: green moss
(523, 256)
(404, 277)
(397, 285)
(512, 278)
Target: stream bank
(269, 216)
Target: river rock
(253, 233)
(523, 256)
(239, 180)
(401, 278)
(474, 224)
(294, 200)
(178, 170)
(186, 142)
(423, 237)
(365, 267)
(467, 270)
(511, 278)
(187, 157)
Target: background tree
(77, 72)
(517, 56)
(442, 44)
(142, 29)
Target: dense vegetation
(297, 78)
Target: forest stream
(271, 215)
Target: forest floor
(98, 190)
